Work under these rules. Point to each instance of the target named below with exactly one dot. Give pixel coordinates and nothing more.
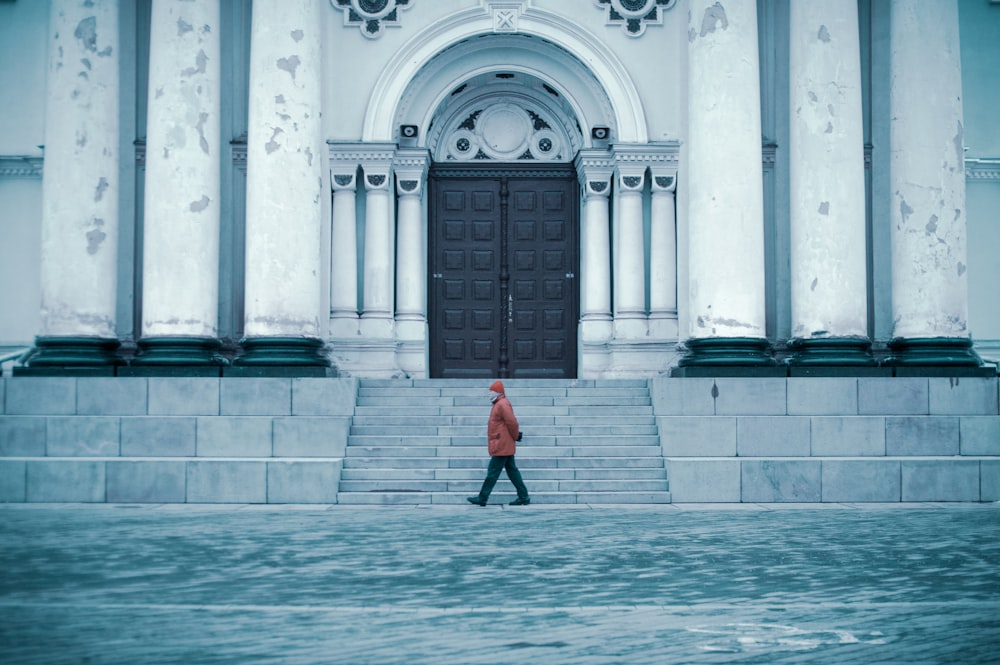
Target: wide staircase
(424, 442)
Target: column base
(178, 350)
(932, 351)
(831, 352)
(72, 356)
(936, 356)
(727, 352)
(281, 356)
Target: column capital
(631, 179)
(657, 156)
(594, 169)
(664, 182)
(374, 158)
(343, 181)
(410, 166)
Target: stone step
(480, 461)
(393, 418)
(473, 485)
(522, 394)
(533, 439)
(423, 407)
(529, 474)
(499, 498)
(509, 384)
(611, 431)
(525, 452)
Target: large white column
(595, 282)
(595, 169)
(284, 181)
(725, 187)
(344, 256)
(630, 259)
(927, 177)
(80, 186)
(411, 260)
(180, 262)
(411, 254)
(827, 184)
(377, 312)
(663, 248)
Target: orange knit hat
(497, 387)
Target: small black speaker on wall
(600, 136)
(408, 134)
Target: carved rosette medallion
(506, 132)
(634, 15)
(371, 16)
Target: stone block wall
(830, 439)
(173, 440)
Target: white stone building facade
(522, 188)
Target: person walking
(502, 434)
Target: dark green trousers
(498, 464)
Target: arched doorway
(503, 249)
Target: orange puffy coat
(502, 430)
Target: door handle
(510, 308)
(437, 275)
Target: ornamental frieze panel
(508, 132)
(372, 17)
(634, 15)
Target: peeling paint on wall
(200, 204)
(102, 185)
(95, 237)
(86, 32)
(202, 141)
(905, 210)
(201, 60)
(824, 34)
(273, 145)
(715, 16)
(289, 64)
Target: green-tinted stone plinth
(933, 351)
(179, 351)
(831, 352)
(72, 356)
(284, 356)
(727, 352)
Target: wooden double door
(503, 298)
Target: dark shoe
(518, 502)
(476, 500)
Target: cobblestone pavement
(671, 584)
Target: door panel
(503, 259)
(464, 291)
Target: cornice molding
(982, 169)
(20, 166)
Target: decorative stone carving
(371, 16)
(505, 131)
(634, 15)
(505, 17)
